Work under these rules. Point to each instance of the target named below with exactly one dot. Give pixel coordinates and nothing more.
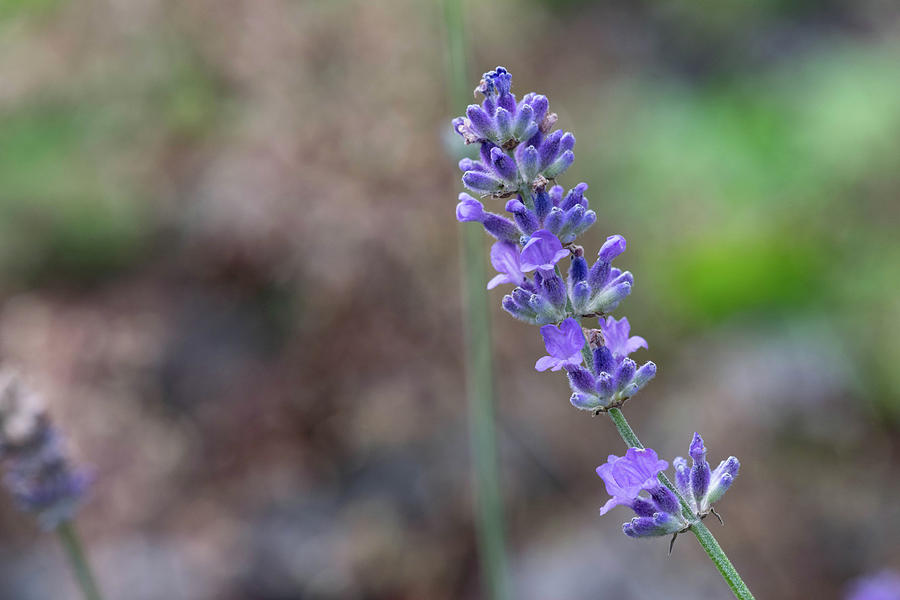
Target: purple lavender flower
(505, 258)
(884, 585)
(563, 343)
(542, 251)
(626, 477)
(615, 333)
(617, 378)
(701, 487)
(37, 471)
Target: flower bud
(700, 474)
(612, 247)
(503, 165)
(665, 499)
(504, 122)
(609, 298)
(481, 182)
(529, 163)
(481, 122)
(524, 118)
(581, 295)
(560, 165)
(525, 219)
(501, 228)
(581, 380)
(575, 196)
(469, 209)
(467, 164)
(585, 401)
(549, 149)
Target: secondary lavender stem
(75, 553)
(489, 525)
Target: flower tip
(697, 449)
(612, 247)
(515, 206)
(469, 209)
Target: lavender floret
(563, 343)
(626, 477)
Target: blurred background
(228, 259)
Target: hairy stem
(704, 535)
(75, 552)
(479, 363)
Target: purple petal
(565, 341)
(542, 251)
(505, 258)
(634, 343)
(546, 362)
(610, 504)
(499, 280)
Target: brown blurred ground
(229, 259)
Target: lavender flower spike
(38, 473)
(521, 153)
(563, 343)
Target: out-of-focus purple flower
(701, 487)
(542, 251)
(37, 471)
(884, 585)
(626, 476)
(563, 343)
(505, 258)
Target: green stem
(704, 535)
(717, 555)
(75, 552)
(479, 363)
